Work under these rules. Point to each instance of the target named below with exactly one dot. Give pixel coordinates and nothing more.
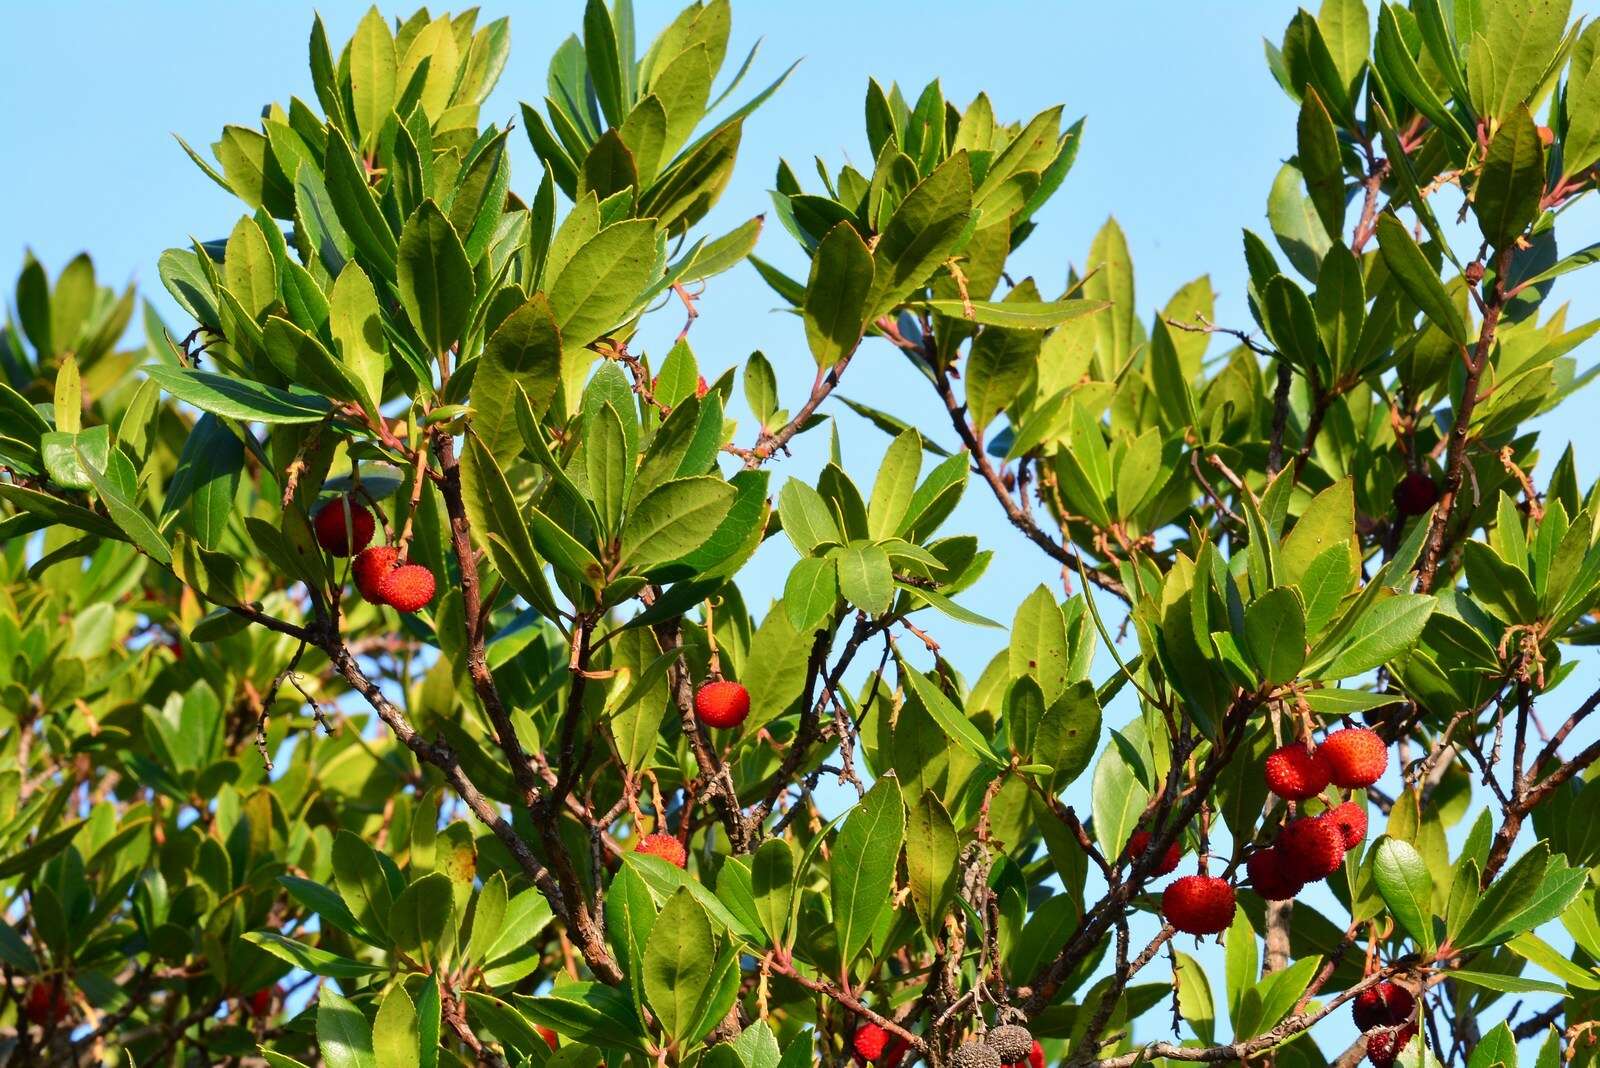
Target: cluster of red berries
(344, 526)
(1385, 1012)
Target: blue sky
(1186, 129)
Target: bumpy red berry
(1199, 904)
(1311, 847)
(370, 567)
(722, 704)
(260, 1003)
(1384, 1005)
(408, 588)
(1295, 774)
(869, 1041)
(664, 846)
(1036, 1055)
(1356, 757)
(1270, 877)
(1383, 1047)
(46, 1003)
(329, 525)
(1351, 819)
(549, 1036)
(1141, 842)
(1415, 494)
(700, 387)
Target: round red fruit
(1295, 773)
(1415, 494)
(700, 387)
(1311, 847)
(1351, 819)
(666, 847)
(722, 704)
(1383, 1047)
(1141, 842)
(260, 1003)
(1199, 904)
(407, 588)
(548, 1035)
(370, 567)
(1356, 757)
(1385, 1005)
(329, 524)
(46, 1003)
(869, 1041)
(1270, 877)
(1036, 1055)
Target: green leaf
(673, 520)
(1505, 197)
(678, 963)
(1536, 889)
(921, 234)
(434, 278)
(422, 920)
(807, 520)
(1418, 278)
(357, 327)
(343, 1036)
(1385, 630)
(1320, 163)
(835, 304)
(1275, 634)
(1016, 315)
(1505, 984)
(373, 71)
(396, 1038)
(590, 1013)
(603, 280)
(810, 593)
(608, 464)
(234, 399)
(1117, 796)
(361, 882)
(1407, 888)
(956, 726)
(310, 958)
(207, 479)
(863, 864)
(304, 361)
(1509, 47)
(524, 351)
(865, 577)
(1110, 280)
(1039, 645)
(772, 872)
(116, 486)
(1067, 734)
(774, 671)
(932, 849)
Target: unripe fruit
(1384, 1005)
(329, 525)
(1351, 819)
(666, 847)
(408, 588)
(1356, 757)
(722, 704)
(1141, 842)
(1270, 877)
(1012, 1041)
(1199, 904)
(1295, 774)
(1311, 848)
(1384, 1046)
(370, 567)
(260, 1003)
(1415, 494)
(869, 1041)
(1036, 1055)
(974, 1054)
(46, 1003)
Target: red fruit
(1356, 757)
(548, 1035)
(1036, 1055)
(895, 1053)
(1351, 819)
(1415, 494)
(1385, 1005)
(700, 387)
(869, 1041)
(1384, 1046)
(260, 1003)
(370, 566)
(46, 1003)
(408, 588)
(1295, 774)
(1270, 877)
(664, 846)
(722, 704)
(329, 524)
(1311, 848)
(1199, 904)
(1141, 842)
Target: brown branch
(771, 441)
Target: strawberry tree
(378, 687)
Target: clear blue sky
(1186, 129)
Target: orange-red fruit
(1036, 1055)
(1270, 877)
(869, 1041)
(330, 530)
(46, 1003)
(1384, 1005)
(408, 588)
(700, 387)
(664, 846)
(1141, 842)
(1295, 774)
(548, 1035)
(260, 1003)
(722, 704)
(1415, 494)
(1199, 904)
(1356, 757)
(370, 566)
(1384, 1046)
(1351, 819)
(1311, 848)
